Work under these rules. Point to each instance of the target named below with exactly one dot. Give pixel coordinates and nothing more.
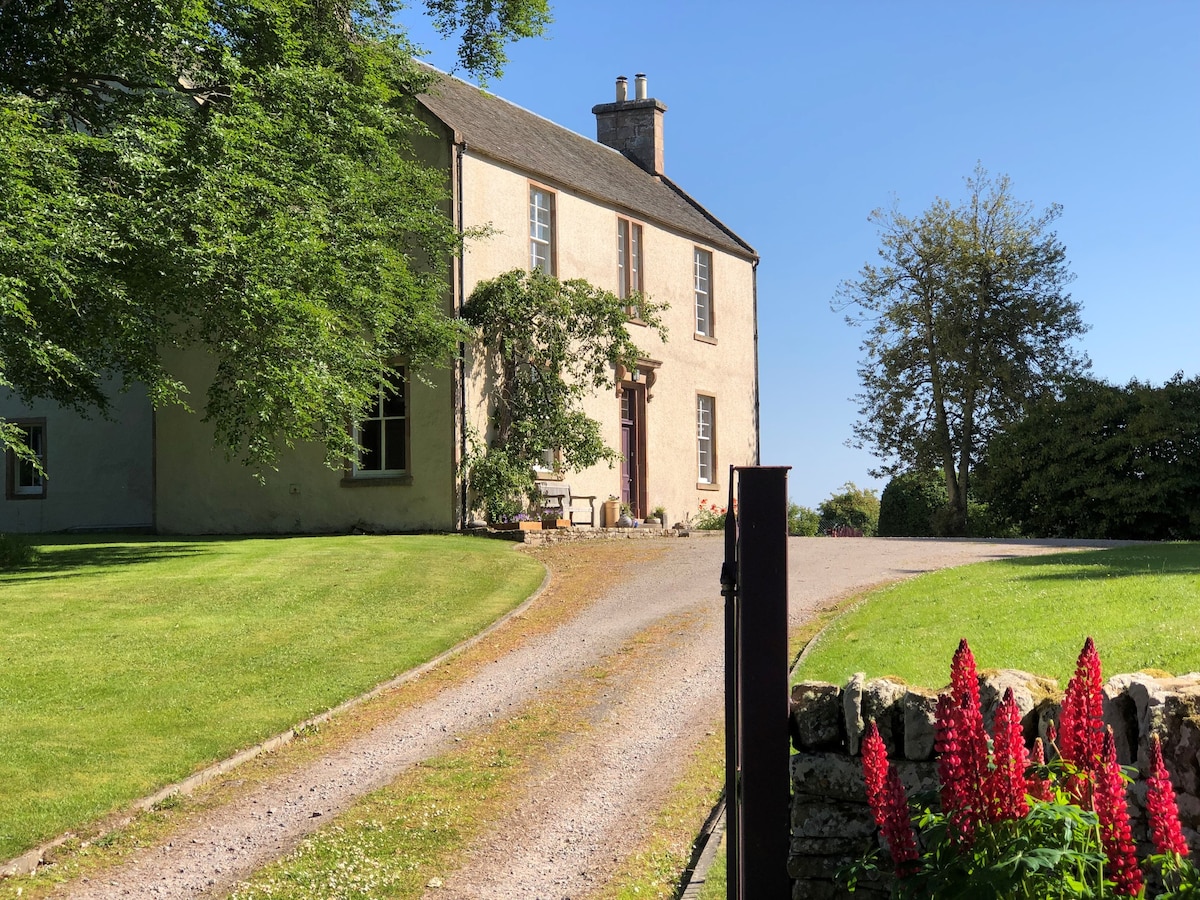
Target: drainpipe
(461, 365)
(757, 416)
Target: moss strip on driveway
(127, 664)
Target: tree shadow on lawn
(62, 556)
(1122, 562)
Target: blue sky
(791, 121)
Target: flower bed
(993, 817)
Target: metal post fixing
(754, 582)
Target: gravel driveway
(599, 799)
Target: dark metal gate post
(757, 786)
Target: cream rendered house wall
(586, 247)
(201, 492)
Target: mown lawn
(127, 664)
(1139, 603)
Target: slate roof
(512, 135)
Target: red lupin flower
(1113, 813)
(956, 796)
(1083, 711)
(1081, 725)
(1161, 808)
(875, 770)
(1036, 783)
(972, 738)
(897, 826)
(1004, 787)
(964, 680)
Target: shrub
(16, 550)
(709, 517)
(802, 521)
(910, 505)
(984, 522)
(854, 507)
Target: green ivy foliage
(548, 345)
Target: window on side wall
(706, 439)
(25, 480)
(382, 434)
(541, 229)
(629, 262)
(702, 271)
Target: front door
(632, 453)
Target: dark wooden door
(633, 454)
(631, 475)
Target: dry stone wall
(831, 824)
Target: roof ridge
(536, 115)
(542, 148)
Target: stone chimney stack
(635, 127)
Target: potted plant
(625, 520)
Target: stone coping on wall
(588, 533)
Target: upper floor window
(382, 434)
(702, 269)
(629, 259)
(541, 229)
(24, 479)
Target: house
(600, 210)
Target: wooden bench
(579, 509)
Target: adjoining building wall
(721, 367)
(200, 491)
(99, 472)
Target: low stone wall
(561, 535)
(831, 823)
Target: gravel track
(587, 813)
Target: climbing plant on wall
(547, 345)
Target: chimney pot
(640, 86)
(622, 88)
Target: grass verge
(716, 882)
(1030, 613)
(130, 663)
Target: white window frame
(22, 480)
(398, 379)
(629, 259)
(706, 439)
(702, 284)
(541, 229)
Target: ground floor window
(25, 479)
(706, 417)
(382, 434)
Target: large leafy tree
(237, 174)
(968, 320)
(1101, 461)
